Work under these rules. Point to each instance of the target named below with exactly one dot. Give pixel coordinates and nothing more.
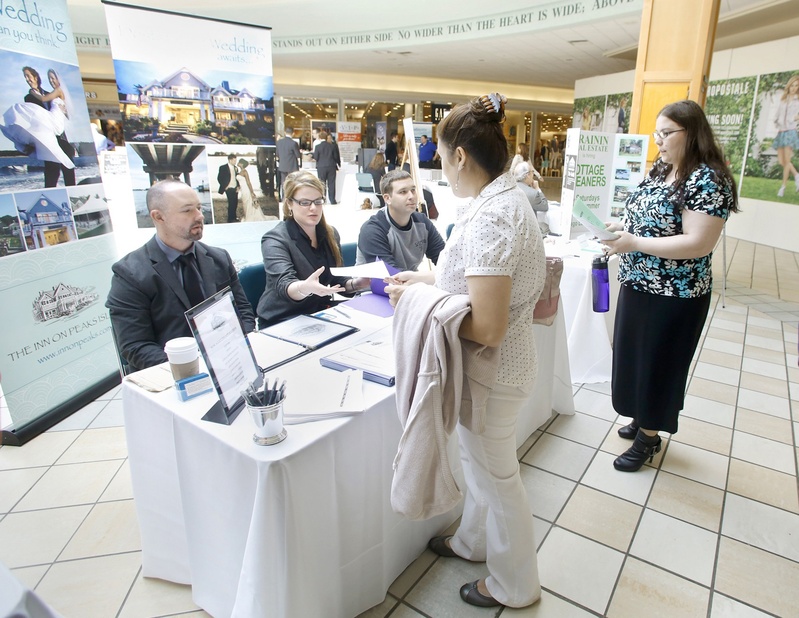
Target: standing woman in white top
(787, 140)
(495, 255)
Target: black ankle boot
(628, 432)
(642, 449)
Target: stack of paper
(333, 394)
(374, 356)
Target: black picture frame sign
(228, 355)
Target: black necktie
(191, 279)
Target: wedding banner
(194, 91)
(56, 246)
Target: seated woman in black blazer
(298, 254)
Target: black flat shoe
(438, 545)
(644, 447)
(472, 596)
(628, 432)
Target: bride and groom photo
(40, 121)
(236, 186)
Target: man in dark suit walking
(392, 154)
(327, 159)
(52, 169)
(154, 285)
(228, 186)
(288, 157)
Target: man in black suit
(52, 169)
(392, 155)
(152, 287)
(288, 157)
(326, 155)
(229, 185)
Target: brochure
(586, 216)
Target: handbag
(547, 306)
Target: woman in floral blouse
(672, 222)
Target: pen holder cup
(268, 421)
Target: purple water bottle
(600, 284)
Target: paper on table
(333, 394)
(586, 216)
(271, 352)
(372, 270)
(154, 379)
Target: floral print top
(651, 213)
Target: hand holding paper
(586, 216)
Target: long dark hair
(478, 131)
(700, 148)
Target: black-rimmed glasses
(320, 201)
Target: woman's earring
(457, 179)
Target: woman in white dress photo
(249, 204)
(34, 126)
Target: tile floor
(709, 529)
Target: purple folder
(376, 304)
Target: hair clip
(493, 102)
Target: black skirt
(654, 340)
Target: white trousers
(497, 523)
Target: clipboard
(217, 328)
(309, 331)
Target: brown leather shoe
(438, 545)
(472, 596)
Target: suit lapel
(206, 264)
(164, 269)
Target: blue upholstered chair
(253, 282)
(348, 252)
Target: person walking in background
(327, 162)
(392, 152)
(229, 185)
(288, 157)
(377, 168)
(495, 256)
(671, 224)
(787, 140)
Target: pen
(341, 312)
(346, 387)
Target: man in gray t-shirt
(398, 234)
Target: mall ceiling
(552, 58)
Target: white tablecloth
(589, 334)
(301, 528)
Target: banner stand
(20, 435)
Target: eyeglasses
(320, 201)
(663, 135)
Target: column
(674, 53)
